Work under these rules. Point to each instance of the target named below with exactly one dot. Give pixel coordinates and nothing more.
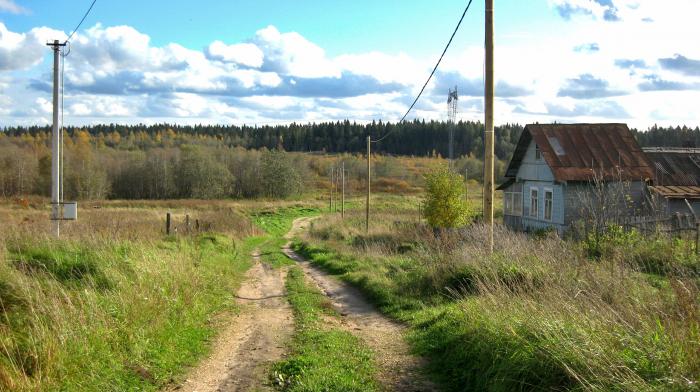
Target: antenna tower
(452, 99)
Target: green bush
(444, 205)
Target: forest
(207, 162)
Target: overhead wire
(63, 69)
(81, 21)
(431, 74)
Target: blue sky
(634, 61)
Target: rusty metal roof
(675, 166)
(575, 152)
(677, 192)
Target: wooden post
(489, 126)
(330, 203)
(167, 223)
(196, 225)
(369, 185)
(187, 223)
(466, 184)
(697, 238)
(342, 203)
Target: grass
(536, 315)
(113, 312)
(275, 223)
(323, 357)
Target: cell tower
(452, 99)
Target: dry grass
(537, 314)
(114, 304)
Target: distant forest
(417, 138)
(208, 162)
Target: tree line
(417, 138)
(168, 161)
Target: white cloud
(245, 54)
(24, 50)
(294, 55)
(12, 7)
(115, 73)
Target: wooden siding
(534, 169)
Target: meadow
(537, 314)
(115, 304)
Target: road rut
(255, 338)
(398, 369)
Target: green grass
(536, 315)
(112, 316)
(276, 223)
(323, 358)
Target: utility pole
(452, 99)
(337, 187)
(466, 183)
(56, 144)
(488, 125)
(342, 203)
(369, 185)
(330, 202)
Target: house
(554, 167)
(676, 187)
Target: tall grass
(537, 314)
(112, 306)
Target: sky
(281, 61)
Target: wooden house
(676, 187)
(553, 165)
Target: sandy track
(399, 370)
(252, 340)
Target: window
(534, 203)
(513, 202)
(538, 153)
(548, 201)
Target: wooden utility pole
(488, 125)
(330, 202)
(466, 183)
(369, 185)
(342, 203)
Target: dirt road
(255, 338)
(399, 370)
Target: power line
(81, 21)
(431, 74)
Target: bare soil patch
(253, 340)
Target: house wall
(576, 191)
(532, 168)
(679, 206)
(534, 173)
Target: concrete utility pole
(56, 144)
(330, 205)
(342, 203)
(488, 123)
(369, 185)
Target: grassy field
(538, 314)
(115, 304)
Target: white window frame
(538, 153)
(513, 203)
(551, 204)
(534, 202)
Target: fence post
(697, 238)
(167, 223)
(187, 223)
(196, 225)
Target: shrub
(444, 205)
